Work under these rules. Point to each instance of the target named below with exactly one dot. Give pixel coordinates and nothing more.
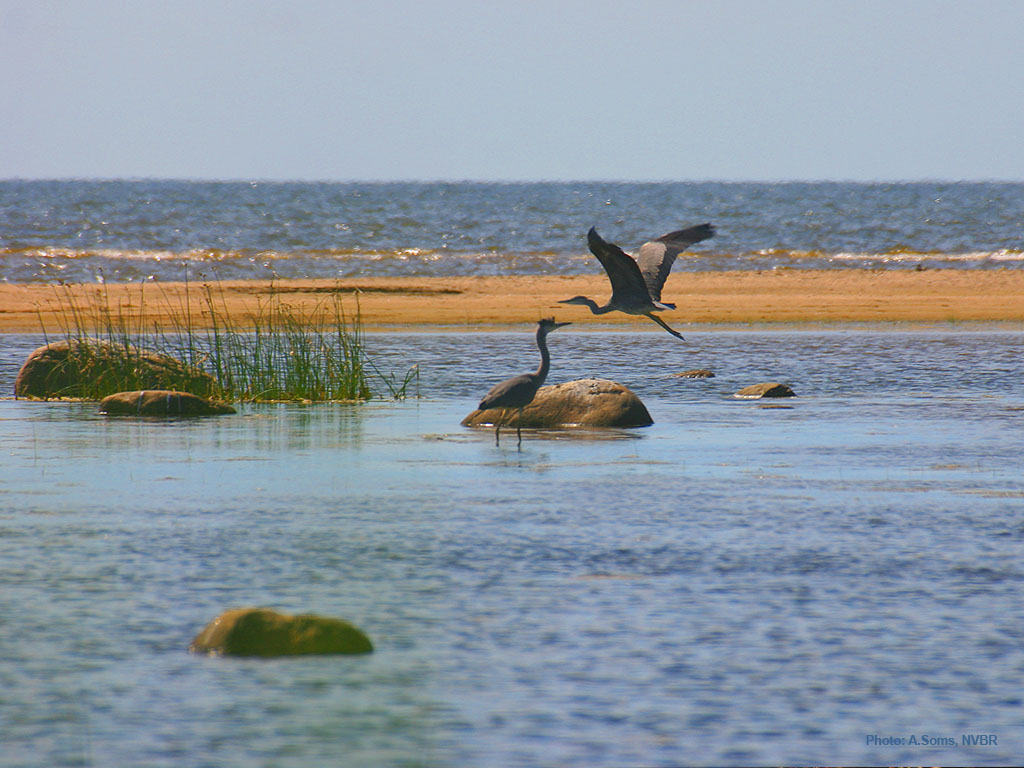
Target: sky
(644, 90)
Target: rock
(580, 403)
(771, 389)
(263, 632)
(81, 369)
(161, 402)
(699, 373)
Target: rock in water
(160, 402)
(770, 389)
(699, 373)
(263, 632)
(579, 403)
(78, 368)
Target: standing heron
(636, 283)
(519, 391)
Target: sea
(123, 231)
(831, 578)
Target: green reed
(275, 353)
(105, 356)
(282, 354)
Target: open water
(830, 579)
(834, 578)
(81, 231)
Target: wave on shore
(28, 265)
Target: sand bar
(484, 303)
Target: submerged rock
(698, 373)
(78, 369)
(583, 402)
(770, 389)
(161, 402)
(263, 632)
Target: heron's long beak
(559, 325)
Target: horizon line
(470, 180)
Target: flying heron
(636, 283)
(519, 391)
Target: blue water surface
(123, 231)
(742, 583)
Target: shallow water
(737, 584)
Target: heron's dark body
(517, 392)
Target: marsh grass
(106, 353)
(274, 353)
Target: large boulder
(161, 402)
(94, 368)
(768, 389)
(579, 403)
(263, 632)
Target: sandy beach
(484, 303)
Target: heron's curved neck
(598, 310)
(545, 358)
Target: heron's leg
(662, 323)
(519, 432)
(497, 428)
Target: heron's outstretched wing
(657, 256)
(628, 287)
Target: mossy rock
(96, 368)
(769, 389)
(161, 402)
(267, 633)
(697, 373)
(579, 403)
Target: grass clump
(274, 353)
(281, 354)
